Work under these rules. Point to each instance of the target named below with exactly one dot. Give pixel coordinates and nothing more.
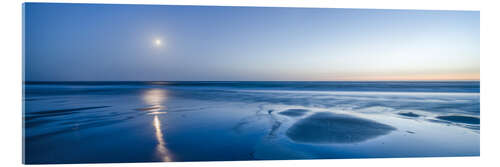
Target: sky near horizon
(96, 42)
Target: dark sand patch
(32, 99)
(80, 127)
(409, 114)
(294, 112)
(67, 110)
(274, 128)
(52, 113)
(460, 119)
(36, 116)
(327, 127)
(35, 123)
(147, 108)
(411, 132)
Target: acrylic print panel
(152, 83)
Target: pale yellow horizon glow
(414, 77)
(437, 75)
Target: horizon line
(262, 81)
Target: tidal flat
(105, 122)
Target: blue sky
(95, 42)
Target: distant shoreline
(130, 81)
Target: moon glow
(157, 42)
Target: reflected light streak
(155, 98)
(160, 147)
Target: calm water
(89, 122)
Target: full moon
(157, 42)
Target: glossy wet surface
(153, 122)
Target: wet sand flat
(156, 122)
